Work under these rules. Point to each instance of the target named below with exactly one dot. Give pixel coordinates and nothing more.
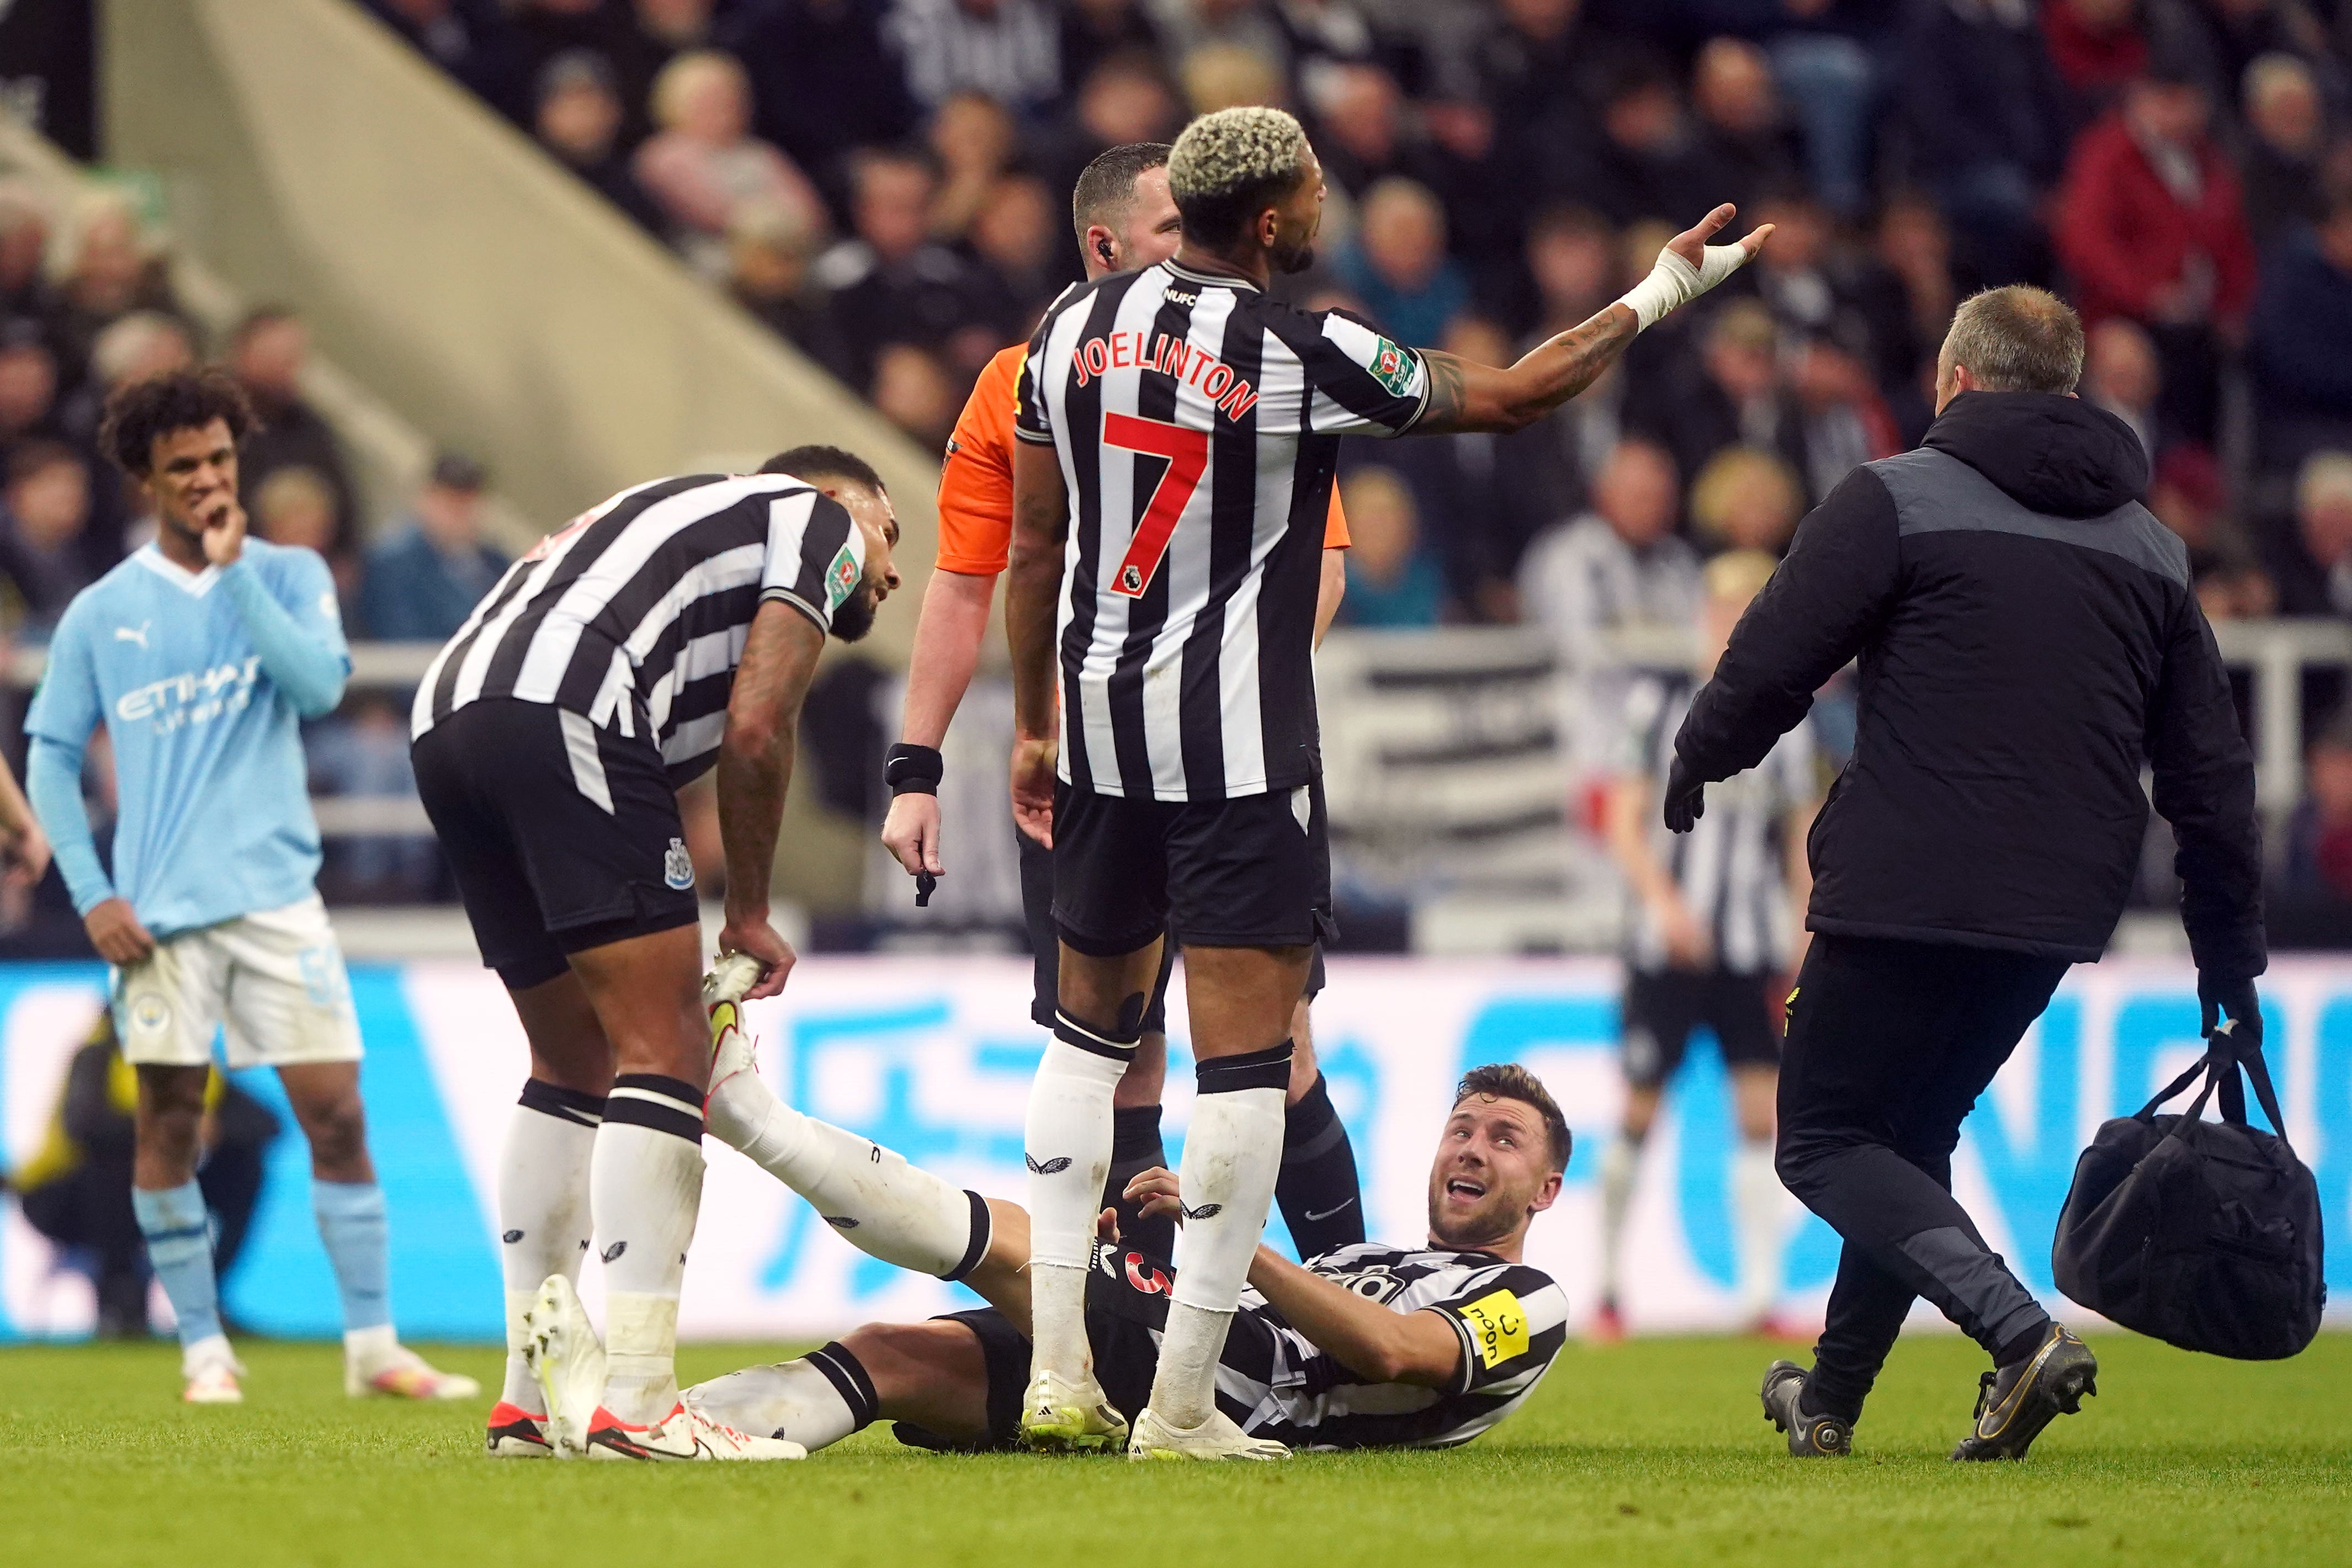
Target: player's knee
(336, 1129)
(897, 1357)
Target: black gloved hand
(2237, 998)
(1686, 798)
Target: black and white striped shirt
(1198, 423)
(1278, 1383)
(1512, 1321)
(634, 615)
(1732, 866)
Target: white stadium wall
(933, 1056)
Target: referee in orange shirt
(1125, 219)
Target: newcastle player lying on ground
(1366, 1346)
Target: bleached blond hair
(1227, 166)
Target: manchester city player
(200, 654)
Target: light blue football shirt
(214, 817)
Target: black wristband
(913, 769)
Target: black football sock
(2020, 1347)
(1321, 1200)
(1136, 1147)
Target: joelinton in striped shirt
(1179, 433)
(1365, 1346)
(673, 627)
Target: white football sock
(645, 1182)
(1233, 1155)
(1621, 1164)
(815, 1401)
(543, 1226)
(896, 1212)
(1066, 1137)
(1759, 1207)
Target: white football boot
(686, 1433)
(514, 1433)
(210, 1370)
(1058, 1417)
(1214, 1439)
(375, 1363)
(561, 1347)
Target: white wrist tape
(1675, 282)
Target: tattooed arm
(1466, 396)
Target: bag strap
(2224, 1055)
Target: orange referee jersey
(976, 481)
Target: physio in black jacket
(2028, 642)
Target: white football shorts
(275, 978)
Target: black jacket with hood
(2028, 640)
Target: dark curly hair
(1510, 1081)
(139, 413)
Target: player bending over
(1178, 435)
(202, 654)
(1366, 1346)
(674, 626)
(1718, 923)
(1125, 219)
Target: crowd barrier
(932, 1056)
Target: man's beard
(856, 616)
(1293, 261)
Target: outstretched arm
(1464, 396)
(1033, 594)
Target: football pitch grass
(1652, 1452)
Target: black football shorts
(561, 836)
(1662, 1007)
(1251, 871)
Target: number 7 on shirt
(1187, 452)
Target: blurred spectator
(28, 382)
(1746, 499)
(2318, 865)
(1845, 422)
(1730, 394)
(912, 391)
(1007, 50)
(770, 274)
(1248, 26)
(470, 39)
(2286, 138)
(131, 348)
(1915, 249)
(267, 354)
(1392, 582)
(1746, 141)
(2122, 375)
(579, 122)
(824, 82)
(23, 252)
(2188, 495)
(1125, 97)
(427, 574)
(1572, 255)
(2303, 319)
(892, 283)
(1985, 114)
(1646, 162)
(2150, 226)
(1398, 266)
(1096, 31)
(1538, 64)
(1825, 56)
(1228, 75)
(1015, 240)
(2098, 49)
(44, 511)
(1485, 497)
(546, 29)
(973, 141)
(1322, 36)
(705, 165)
(2216, 40)
(1801, 275)
(2313, 567)
(295, 505)
(1359, 127)
(1619, 568)
(109, 273)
